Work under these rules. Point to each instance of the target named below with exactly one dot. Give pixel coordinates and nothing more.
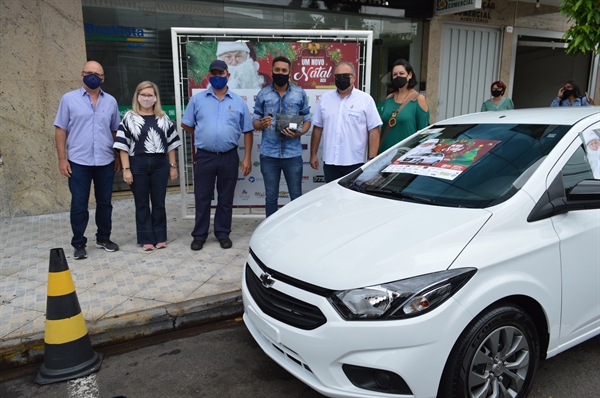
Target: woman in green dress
(497, 102)
(405, 111)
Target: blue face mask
(92, 81)
(218, 82)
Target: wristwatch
(173, 165)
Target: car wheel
(497, 355)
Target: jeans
(80, 185)
(333, 172)
(271, 169)
(150, 176)
(222, 167)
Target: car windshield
(475, 165)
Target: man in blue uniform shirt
(281, 150)
(217, 117)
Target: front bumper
(416, 349)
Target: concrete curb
(29, 349)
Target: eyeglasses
(100, 75)
(146, 95)
(346, 75)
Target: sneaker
(225, 243)
(197, 244)
(80, 253)
(107, 245)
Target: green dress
(504, 105)
(411, 119)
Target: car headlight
(400, 299)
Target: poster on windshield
(249, 65)
(441, 158)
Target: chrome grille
(282, 307)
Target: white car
(352, 290)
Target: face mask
(568, 93)
(342, 82)
(218, 82)
(496, 93)
(146, 102)
(399, 81)
(280, 79)
(92, 81)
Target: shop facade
(456, 57)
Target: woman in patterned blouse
(147, 140)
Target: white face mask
(147, 102)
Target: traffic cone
(68, 352)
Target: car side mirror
(583, 196)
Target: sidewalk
(123, 295)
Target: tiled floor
(110, 284)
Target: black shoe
(225, 243)
(80, 253)
(107, 245)
(197, 244)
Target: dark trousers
(222, 168)
(333, 172)
(80, 186)
(150, 176)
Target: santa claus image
(242, 65)
(592, 143)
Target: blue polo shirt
(89, 131)
(218, 124)
(293, 102)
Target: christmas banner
(249, 64)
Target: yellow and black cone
(68, 352)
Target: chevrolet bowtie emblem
(266, 280)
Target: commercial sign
(443, 7)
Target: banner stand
(313, 53)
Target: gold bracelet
(126, 169)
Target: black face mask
(280, 79)
(399, 81)
(342, 82)
(496, 93)
(568, 93)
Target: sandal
(161, 245)
(148, 247)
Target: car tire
(479, 363)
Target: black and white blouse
(142, 134)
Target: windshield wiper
(396, 194)
(355, 187)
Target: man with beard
(348, 120)
(243, 68)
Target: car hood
(340, 239)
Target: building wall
(502, 13)
(42, 50)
